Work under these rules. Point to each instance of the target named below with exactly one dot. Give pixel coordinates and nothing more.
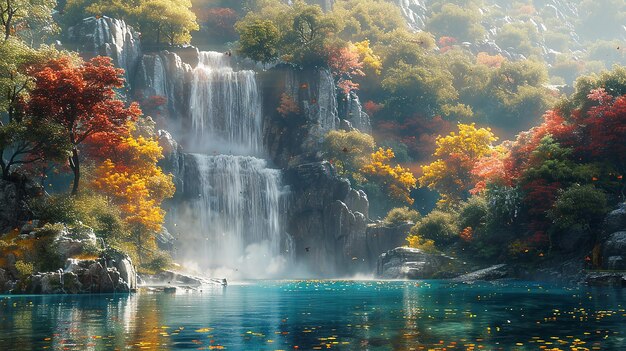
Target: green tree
(23, 140)
(18, 14)
(462, 23)
(258, 40)
(171, 21)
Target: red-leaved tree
(80, 96)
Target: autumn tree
(457, 153)
(24, 140)
(349, 151)
(81, 98)
(130, 176)
(397, 181)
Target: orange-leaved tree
(80, 97)
(131, 177)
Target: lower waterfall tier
(229, 222)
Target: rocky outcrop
(328, 235)
(14, 197)
(297, 138)
(180, 279)
(83, 276)
(615, 221)
(351, 111)
(107, 37)
(604, 279)
(614, 251)
(173, 161)
(166, 74)
(409, 263)
(381, 238)
(499, 271)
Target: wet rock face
(614, 251)
(297, 138)
(107, 37)
(408, 263)
(616, 220)
(350, 110)
(329, 235)
(166, 74)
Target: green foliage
(366, 19)
(30, 20)
(24, 268)
(439, 226)
(579, 206)
(601, 19)
(160, 21)
(348, 151)
(462, 23)
(303, 33)
(552, 162)
(92, 210)
(473, 213)
(259, 40)
(400, 215)
(520, 37)
(159, 261)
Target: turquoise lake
(314, 315)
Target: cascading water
(230, 225)
(225, 107)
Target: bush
(438, 226)
(401, 215)
(92, 210)
(160, 260)
(24, 268)
(579, 206)
(417, 242)
(473, 213)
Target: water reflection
(309, 315)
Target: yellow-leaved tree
(134, 181)
(456, 154)
(397, 180)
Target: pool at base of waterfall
(324, 314)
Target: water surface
(314, 315)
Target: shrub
(24, 268)
(473, 213)
(401, 215)
(579, 206)
(438, 226)
(417, 242)
(160, 260)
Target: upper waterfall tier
(225, 108)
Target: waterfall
(225, 107)
(230, 221)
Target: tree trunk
(75, 166)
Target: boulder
(614, 251)
(409, 263)
(603, 279)
(495, 272)
(615, 221)
(381, 238)
(72, 242)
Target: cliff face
(327, 219)
(107, 37)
